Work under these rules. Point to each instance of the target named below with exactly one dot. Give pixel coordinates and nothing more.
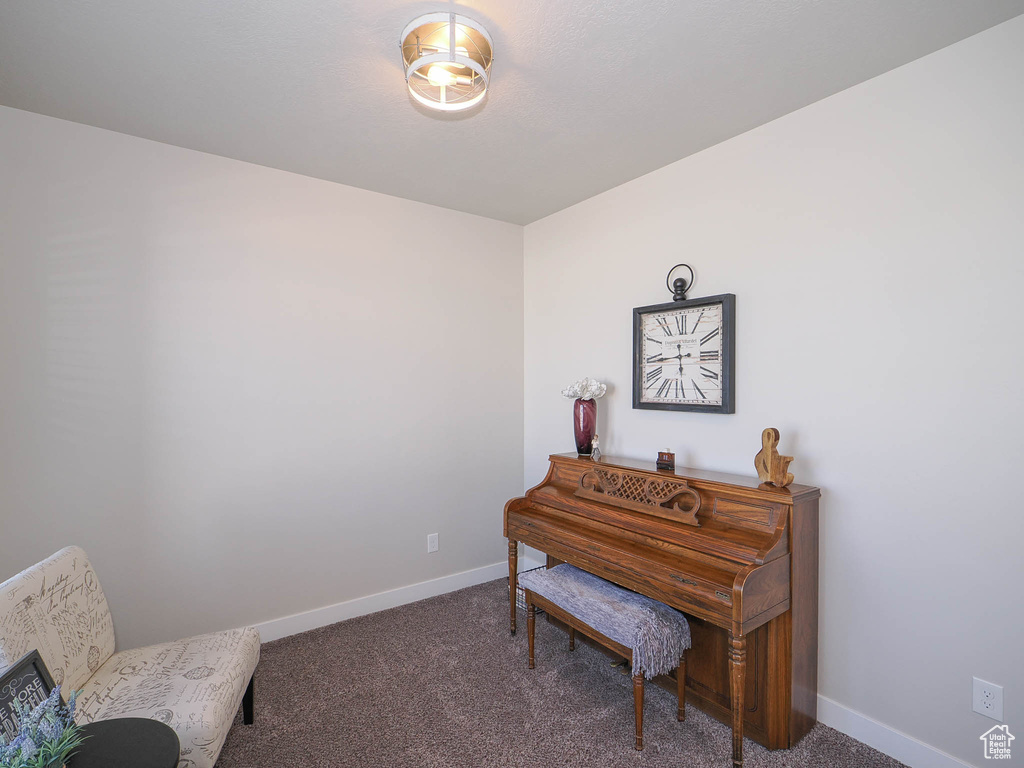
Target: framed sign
(28, 681)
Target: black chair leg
(247, 702)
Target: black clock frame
(728, 302)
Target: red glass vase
(584, 425)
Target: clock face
(683, 355)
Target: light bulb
(438, 75)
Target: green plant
(46, 737)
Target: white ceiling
(585, 94)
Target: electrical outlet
(432, 543)
(988, 699)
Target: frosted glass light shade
(447, 59)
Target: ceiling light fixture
(447, 60)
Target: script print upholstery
(58, 608)
(192, 685)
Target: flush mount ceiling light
(447, 60)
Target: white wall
(873, 241)
(246, 393)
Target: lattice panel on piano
(638, 492)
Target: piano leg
(513, 566)
(737, 686)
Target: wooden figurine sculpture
(770, 466)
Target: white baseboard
(275, 629)
(894, 743)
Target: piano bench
(653, 636)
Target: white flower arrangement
(585, 389)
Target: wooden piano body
(738, 557)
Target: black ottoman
(127, 742)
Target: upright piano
(739, 558)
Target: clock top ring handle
(679, 286)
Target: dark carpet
(442, 683)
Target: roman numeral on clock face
(664, 388)
(699, 392)
(709, 337)
(710, 356)
(654, 374)
(681, 324)
(707, 373)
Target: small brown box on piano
(666, 460)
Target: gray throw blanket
(656, 633)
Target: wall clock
(683, 355)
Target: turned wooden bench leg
(681, 687)
(638, 707)
(572, 639)
(530, 621)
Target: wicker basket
(521, 593)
